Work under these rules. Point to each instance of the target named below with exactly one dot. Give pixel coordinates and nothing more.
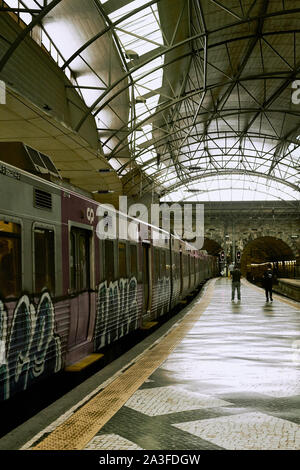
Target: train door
(80, 266)
(193, 271)
(146, 277)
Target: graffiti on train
(117, 310)
(31, 349)
(161, 295)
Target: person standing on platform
(236, 282)
(268, 283)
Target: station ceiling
(193, 99)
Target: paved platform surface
(233, 382)
(293, 282)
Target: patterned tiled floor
(232, 383)
(247, 431)
(164, 400)
(111, 442)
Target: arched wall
(268, 249)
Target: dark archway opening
(261, 251)
(212, 247)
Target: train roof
(62, 185)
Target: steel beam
(21, 36)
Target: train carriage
(65, 292)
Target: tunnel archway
(260, 251)
(211, 246)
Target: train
(66, 293)
(281, 269)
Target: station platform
(289, 287)
(225, 376)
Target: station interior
(120, 329)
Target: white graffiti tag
(32, 347)
(117, 311)
(162, 295)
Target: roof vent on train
(26, 158)
(42, 199)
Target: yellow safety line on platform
(84, 424)
(292, 303)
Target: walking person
(268, 282)
(236, 282)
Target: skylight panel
(142, 139)
(142, 25)
(146, 157)
(115, 163)
(142, 112)
(153, 80)
(295, 154)
(230, 164)
(144, 135)
(152, 102)
(32, 4)
(141, 33)
(12, 3)
(150, 171)
(236, 188)
(170, 178)
(125, 9)
(250, 152)
(26, 17)
(155, 63)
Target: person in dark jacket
(268, 282)
(236, 282)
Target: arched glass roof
(199, 97)
(233, 187)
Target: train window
(122, 261)
(10, 259)
(109, 261)
(44, 259)
(133, 261)
(80, 259)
